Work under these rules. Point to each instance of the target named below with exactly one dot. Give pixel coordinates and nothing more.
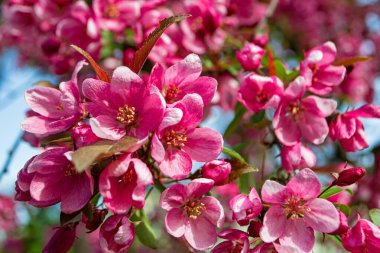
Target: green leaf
(343, 208)
(291, 75)
(257, 117)
(331, 192)
(55, 138)
(239, 168)
(142, 54)
(144, 230)
(336, 239)
(239, 113)
(374, 214)
(85, 156)
(243, 183)
(232, 153)
(280, 70)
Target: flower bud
(83, 136)
(349, 176)
(62, 239)
(217, 170)
(250, 56)
(254, 228)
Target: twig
(11, 154)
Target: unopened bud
(349, 176)
(217, 170)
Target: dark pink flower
(298, 117)
(178, 141)
(250, 56)
(183, 78)
(349, 130)
(296, 212)
(217, 170)
(58, 110)
(317, 69)
(297, 157)
(363, 237)
(116, 234)
(122, 107)
(192, 215)
(56, 180)
(62, 239)
(244, 208)
(237, 241)
(260, 92)
(123, 183)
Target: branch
(11, 154)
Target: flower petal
(176, 164)
(298, 235)
(214, 211)
(305, 185)
(204, 86)
(186, 70)
(173, 197)
(273, 224)
(323, 216)
(200, 233)
(175, 222)
(273, 192)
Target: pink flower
(349, 130)
(116, 15)
(122, 184)
(317, 69)
(122, 107)
(250, 56)
(349, 176)
(297, 157)
(116, 234)
(178, 141)
(62, 239)
(82, 135)
(217, 170)
(296, 117)
(260, 92)
(183, 78)
(58, 110)
(56, 180)
(237, 241)
(296, 212)
(245, 207)
(192, 215)
(363, 237)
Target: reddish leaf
(101, 73)
(272, 68)
(142, 54)
(351, 60)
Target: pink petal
(144, 178)
(357, 141)
(46, 187)
(314, 128)
(366, 111)
(192, 108)
(200, 233)
(176, 164)
(45, 101)
(172, 116)
(175, 222)
(47, 126)
(156, 76)
(173, 197)
(187, 70)
(323, 107)
(323, 216)
(204, 86)
(298, 235)
(330, 76)
(95, 90)
(273, 192)
(198, 187)
(203, 144)
(285, 128)
(158, 150)
(150, 116)
(106, 127)
(344, 127)
(273, 224)
(296, 89)
(305, 184)
(214, 211)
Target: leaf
(87, 155)
(243, 184)
(351, 60)
(142, 54)
(257, 117)
(55, 138)
(239, 113)
(331, 192)
(280, 70)
(336, 239)
(239, 168)
(144, 230)
(232, 153)
(343, 208)
(291, 75)
(374, 214)
(101, 73)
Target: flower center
(127, 115)
(295, 208)
(112, 11)
(127, 177)
(171, 93)
(262, 97)
(295, 110)
(194, 208)
(175, 138)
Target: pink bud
(83, 135)
(217, 170)
(349, 176)
(343, 226)
(250, 56)
(62, 239)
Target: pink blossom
(8, 218)
(217, 170)
(122, 107)
(62, 239)
(82, 135)
(349, 130)
(192, 215)
(58, 110)
(237, 241)
(298, 117)
(260, 92)
(296, 212)
(363, 237)
(122, 184)
(250, 56)
(56, 180)
(116, 234)
(296, 157)
(178, 141)
(244, 208)
(183, 78)
(317, 69)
